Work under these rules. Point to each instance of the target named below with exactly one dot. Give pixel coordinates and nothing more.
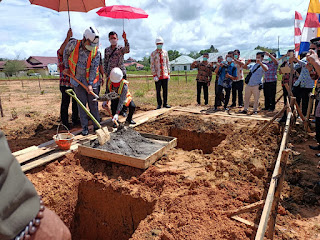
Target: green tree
(13, 67)
(173, 54)
(266, 49)
(194, 54)
(145, 62)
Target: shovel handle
(84, 86)
(72, 94)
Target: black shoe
(85, 132)
(166, 106)
(124, 114)
(159, 106)
(114, 125)
(244, 112)
(314, 147)
(130, 121)
(232, 105)
(226, 109)
(317, 154)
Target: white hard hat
(92, 34)
(116, 75)
(159, 40)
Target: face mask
(287, 58)
(159, 46)
(236, 56)
(269, 59)
(229, 59)
(113, 42)
(89, 47)
(205, 59)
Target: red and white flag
(297, 32)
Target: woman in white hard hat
(116, 83)
(161, 72)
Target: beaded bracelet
(33, 225)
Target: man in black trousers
(204, 77)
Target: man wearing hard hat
(81, 59)
(116, 83)
(161, 72)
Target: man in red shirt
(64, 85)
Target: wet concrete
(130, 143)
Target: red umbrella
(69, 5)
(122, 12)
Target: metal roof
(182, 60)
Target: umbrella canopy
(122, 11)
(69, 5)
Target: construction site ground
(219, 165)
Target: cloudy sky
(185, 25)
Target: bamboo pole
(274, 210)
(272, 188)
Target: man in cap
(237, 85)
(161, 72)
(81, 59)
(116, 83)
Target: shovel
(119, 126)
(85, 87)
(105, 97)
(102, 133)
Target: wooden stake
(310, 104)
(272, 188)
(274, 209)
(1, 110)
(245, 209)
(279, 99)
(272, 120)
(185, 73)
(245, 221)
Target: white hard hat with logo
(159, 40)
(92, 34)
(116, 75)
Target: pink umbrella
(122, 12)
(69, 5)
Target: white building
(182, 63)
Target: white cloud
(186, 25)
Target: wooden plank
(245, 209)
(242, 116)
(242, 220)
(310, 104)
(151, 115)
(272, 187)
(155, 156)
(85, 150)
(47, 159)
(26, 150)
(111, 157)
(38, 152)
(272, 120)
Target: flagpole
(291, 65)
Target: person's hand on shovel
(66, 71)
(90, 89)
(115, 118)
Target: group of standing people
(82, 60)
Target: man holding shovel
(116, 83)
(81, 59)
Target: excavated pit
(190, 140)
(104, 213)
